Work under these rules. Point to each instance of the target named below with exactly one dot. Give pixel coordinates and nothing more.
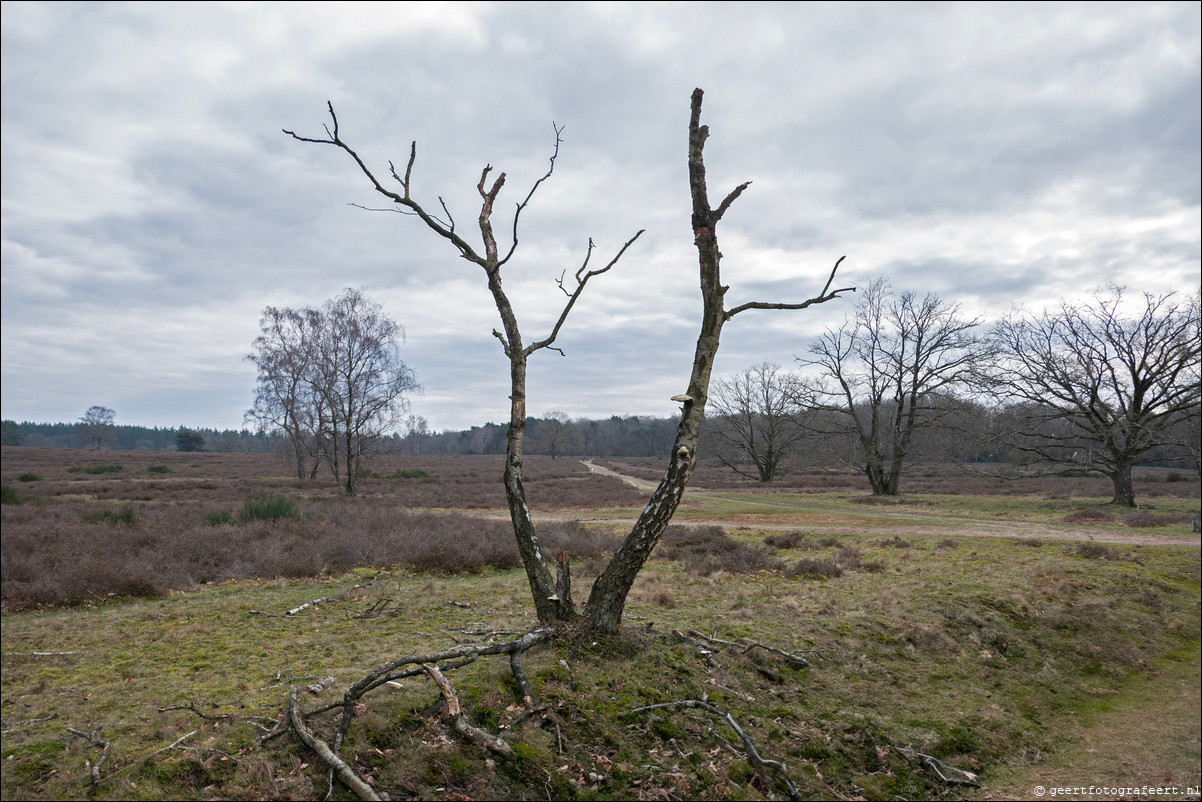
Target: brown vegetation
(143, 531)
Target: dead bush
(705, 550)
(816, 568)
(1142, 519)
(1088, 516)
(1096, 551)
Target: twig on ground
(949, 775)
(105, 747)
(6, 726)
(753, 756)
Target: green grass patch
(219, 517)
(268, 508)
(9, 494)
(159, 469)
(29, 476)
(124, 515)
(408, 473)
(97, 469)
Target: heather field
(159, 604)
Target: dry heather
(95, 524)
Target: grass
(268, 508)
(985, 652)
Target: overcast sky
(995, 154)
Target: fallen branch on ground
(459, 720)
(949, 775)
(753, 756)
(428, 664)
(337, 764)
(105, 747)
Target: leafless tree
(491, 258)
(284, 397)
(96, 427)
(607, 600)
(332, 379)
(889, 372)
(1098, 389)
(754, 420)
(608, 597)
(556, 434)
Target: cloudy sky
(995, 154)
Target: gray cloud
(995, 154)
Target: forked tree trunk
(608, 597)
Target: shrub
(896, 542)
(705, 550)
(789, 540)
(268, 508)
(98, 469)
(10, 495)
(816, 568)
(1087, 517)
(29, 477)
(159, 469)
(1096, 551)
(1144, 520)
(124, 514)
(408, 473)
(219, 517)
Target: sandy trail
(776, 518)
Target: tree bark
(1124, 486)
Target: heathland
(971, 639)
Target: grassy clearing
(973, 652)
(995, 655)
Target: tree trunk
(547, 602)
(1124, 486)
(608, 597)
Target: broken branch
(459, 720)
(337, 764)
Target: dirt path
(776, 519)
(1150, 737)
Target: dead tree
(608, 598)
(552, 600)
(491, 258)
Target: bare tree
(551, 597)
(753, 420)
(889, 372)
(96, 427)
(1099, 390)
(332, 379)
(284, 396)
(556, 434)
(608, 597)
(490, 257)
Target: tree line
(1102, 385)
(127, 437)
